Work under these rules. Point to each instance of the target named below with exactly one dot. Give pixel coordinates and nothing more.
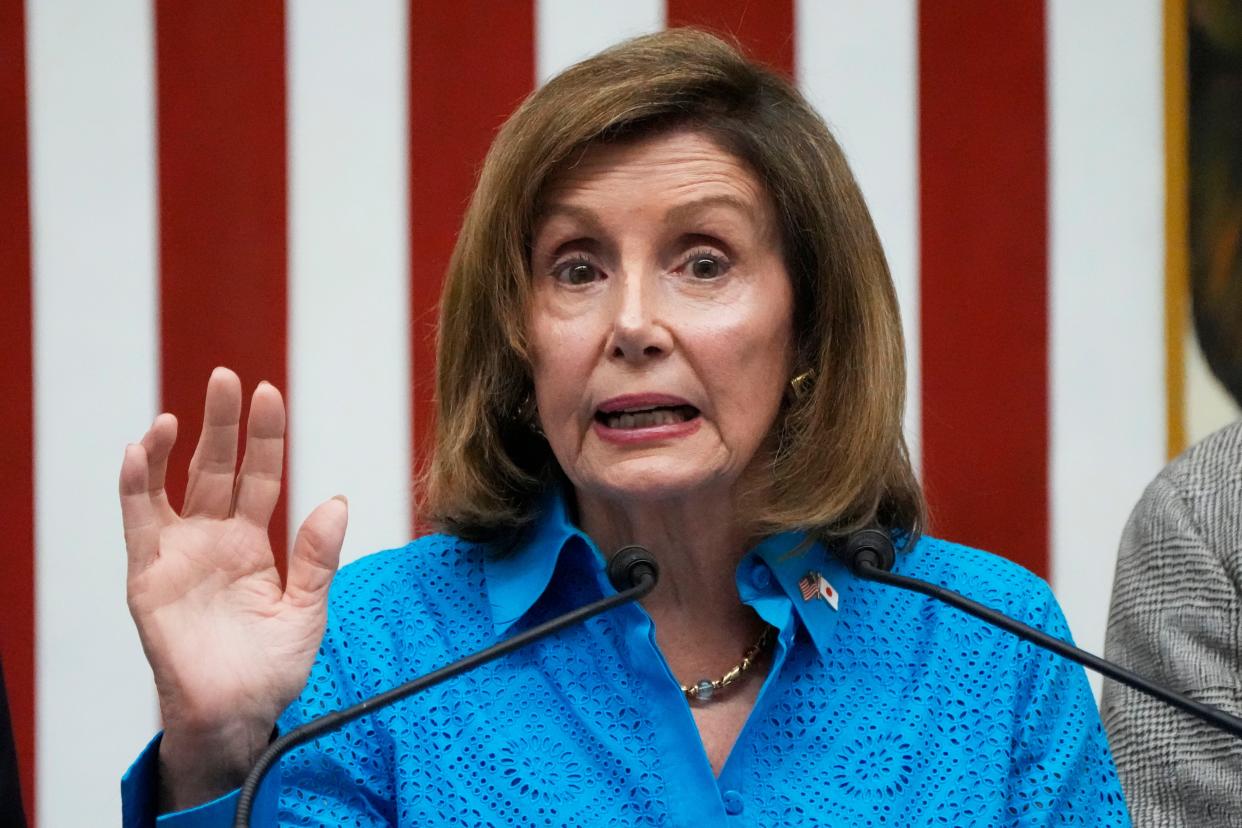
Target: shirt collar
(781, 566)
(516, 580)
(769, 577)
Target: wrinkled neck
(701, 624)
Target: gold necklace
(705, 689)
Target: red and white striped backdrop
(277, 187)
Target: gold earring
(801, 384)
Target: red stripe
(17, 589)
(983, 190)
(765, 29)
(471, 63)
(220, 89)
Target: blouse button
(733, 803)
(760, 577)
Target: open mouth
(647, 416)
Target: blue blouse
(886, 709)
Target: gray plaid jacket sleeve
(1176, 616)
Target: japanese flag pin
(813, 585)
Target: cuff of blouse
(140, 786)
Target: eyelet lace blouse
(885, 709)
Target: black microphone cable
(632, 572)
(869, 554)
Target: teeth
(645, 419)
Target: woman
(668, 321)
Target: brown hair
(841, 461)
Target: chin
(653, 479)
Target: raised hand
(229, 647)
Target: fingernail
(341, 498)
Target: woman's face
(662, 319)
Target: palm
(227, 642)
(215, 592)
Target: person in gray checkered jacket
(1176, 616)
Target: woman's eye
(706, 266)
(576, 272)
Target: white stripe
(1208, 406)
(566, 31)
(349, 363)
(857, 64)
(94, 249)
(1106, 244)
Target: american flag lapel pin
(813, 585)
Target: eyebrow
(682, 212)
(580, 214)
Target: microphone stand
(869, 553)
(632, 567)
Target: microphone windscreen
(873, 547)
(629, 566)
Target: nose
(638, 332)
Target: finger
(138, 516)
(209, 489)
(158, 442)
(258, 484)
(317, 553)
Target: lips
(648, 417)
(641, 411)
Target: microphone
(631, 571)
(869, 554)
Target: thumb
(317, 552)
